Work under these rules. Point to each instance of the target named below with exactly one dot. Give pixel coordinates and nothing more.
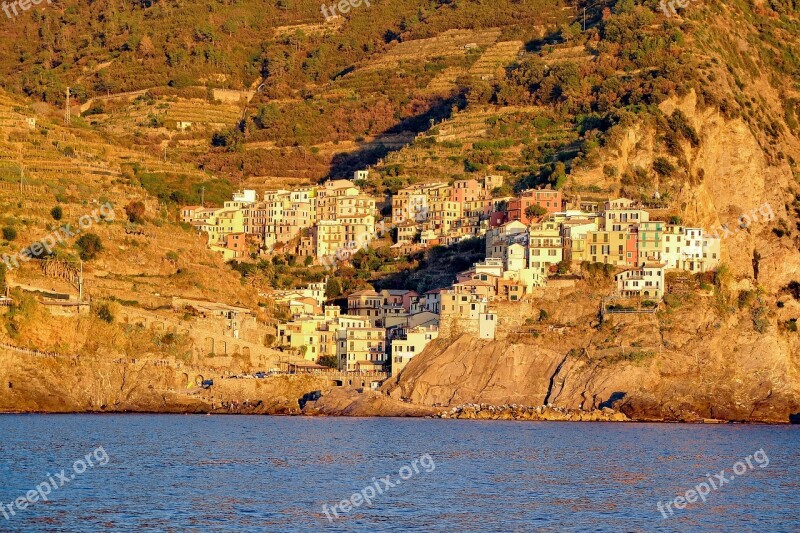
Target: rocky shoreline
(540, 413)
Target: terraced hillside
(78, 171)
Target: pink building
(466, 191)
(237, 243)
(548, 199)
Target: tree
(329, 360)
(9, 233)
(145, 47)
(89, 245)
(57, 213)
(308, 260)
(535, 210)
(334, 289)
(135, 211)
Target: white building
(646, 281)
(411, 342)
(247, 196)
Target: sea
(130, 472)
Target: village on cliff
(533, 242)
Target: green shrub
(329, 361)
(104, 313)
(57, 213)
(9, 233)
(89, 245)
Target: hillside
(696, 115)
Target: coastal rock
(518, 412)
(688, 369)
(347, 401)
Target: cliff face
(30, 383)
(651, 367)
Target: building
(609, 247)
(546, 247)
(368, 304)
(496, 237)
(190, 213)
(329, 238)
(550, 200)
(621, 213)
(414, 202)
(700, 251)
(362, 349)
(646, 281)
(408, 343)
(462, 311)
(233, 246)
(651, 242)
(331, 194)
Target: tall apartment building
(546, 246)
(362, 349)
(329, 195)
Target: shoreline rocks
(541, 413)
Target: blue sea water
(259, 473)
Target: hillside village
(533, 241)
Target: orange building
(548, 199)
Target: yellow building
(358, 229)
(362, 349)
(329, 195)
(545, 246)
(444, 215)
(464, 312)
(606, 247)
(329, 237)
(416, 201)
(368, 304)
(222, 223)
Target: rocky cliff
(682, 365)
